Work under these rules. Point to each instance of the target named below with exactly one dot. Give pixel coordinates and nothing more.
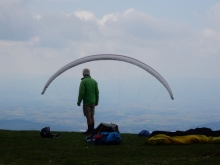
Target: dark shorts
(88, 110)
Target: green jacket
(88, 91)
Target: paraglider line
(139, 91)
(119, 93)
(152, 100)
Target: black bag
(45, 132)
(104, 127)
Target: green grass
(27, 147)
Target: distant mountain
(213, 125)
(19, 124)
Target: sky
(179, 39)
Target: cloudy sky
(179, 39)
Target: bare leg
(89, 120)
(93, 120)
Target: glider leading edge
(110, 57)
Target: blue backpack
(106, 138)
(105, 134)
(144, 133)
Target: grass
(27, 147)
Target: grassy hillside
(27, 147)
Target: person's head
(86, 72)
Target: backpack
(106, 138)
(104, 127)
(144, 133)
(105, 134)
(45, 133)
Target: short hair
(86, 72)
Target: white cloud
(84, 15)
(209, 33)
(37, 17)
(62, 0)
(61, 38)
(108, 17)
(16, 21)
(213, 16)
(208, 39)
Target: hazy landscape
(22, 107)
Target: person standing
(89, 94)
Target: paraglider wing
(110, 57)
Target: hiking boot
(87, 132)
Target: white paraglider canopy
(110, 57)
